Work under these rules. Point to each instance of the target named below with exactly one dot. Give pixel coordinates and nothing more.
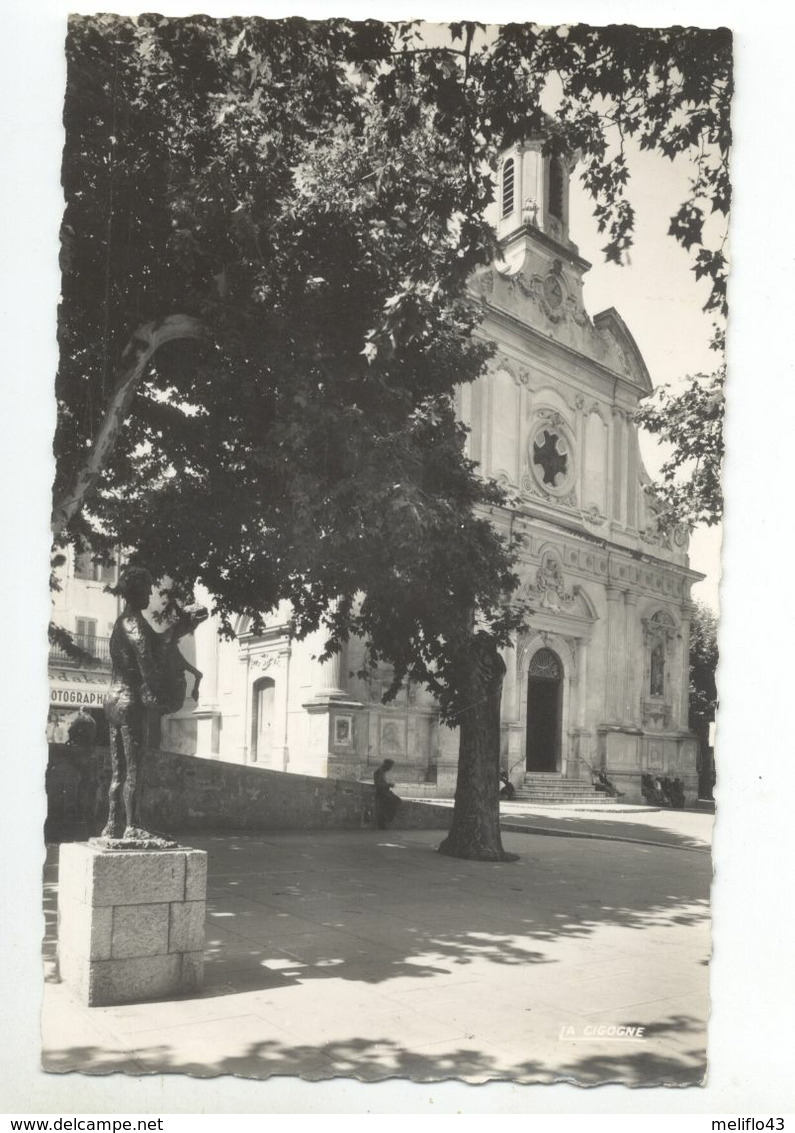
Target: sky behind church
(654, 291)
(661, 302)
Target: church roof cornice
(529, 519)
(537, 337)
(611, 322)
(563, 251)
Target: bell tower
(533, 216)
(534, 190)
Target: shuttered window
(556, 188)
(85, 633)
(508, 176)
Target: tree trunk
(706, 763)
(136, 356)
(475, 832)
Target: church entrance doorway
(262, 730)
(544, 704)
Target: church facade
(599, 676)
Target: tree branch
(137, 354)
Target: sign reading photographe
(71, 688)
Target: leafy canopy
(314, 195)
(691, 423)
(703, 667)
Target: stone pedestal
(130, 922)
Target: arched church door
(262, 723)
(544, 702)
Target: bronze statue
(147, 675)
(173, 665)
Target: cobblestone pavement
(366, 955)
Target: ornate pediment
(548, 590)
(558, 605)
(659, 629)
(538, 281)
(614, 330)
(550, 292)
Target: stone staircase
(549, 788)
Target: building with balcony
(84, 608)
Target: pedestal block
(130, 922)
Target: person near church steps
(386, 803)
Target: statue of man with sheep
(148, 674)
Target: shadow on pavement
(443, 914)
(289, 916)
(581, 822)
(374, 1060)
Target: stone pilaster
(618, 466)
(330, 677)
(615, 668)
(334, 749)
(581, 655)
(633, 662)
(631, 481)
(510, 707)
(579, 426)
(688, 610)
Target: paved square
(365, 954)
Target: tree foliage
(312, 195)
(309, 450)
(703, 692)
(703, 668)
(691, 423)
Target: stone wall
(184, 793)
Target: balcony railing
(98, 647)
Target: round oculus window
(551, 458)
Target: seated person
(507, 789)
(386, 803)
(602, 783)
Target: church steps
(549, 788)
(574, 800)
